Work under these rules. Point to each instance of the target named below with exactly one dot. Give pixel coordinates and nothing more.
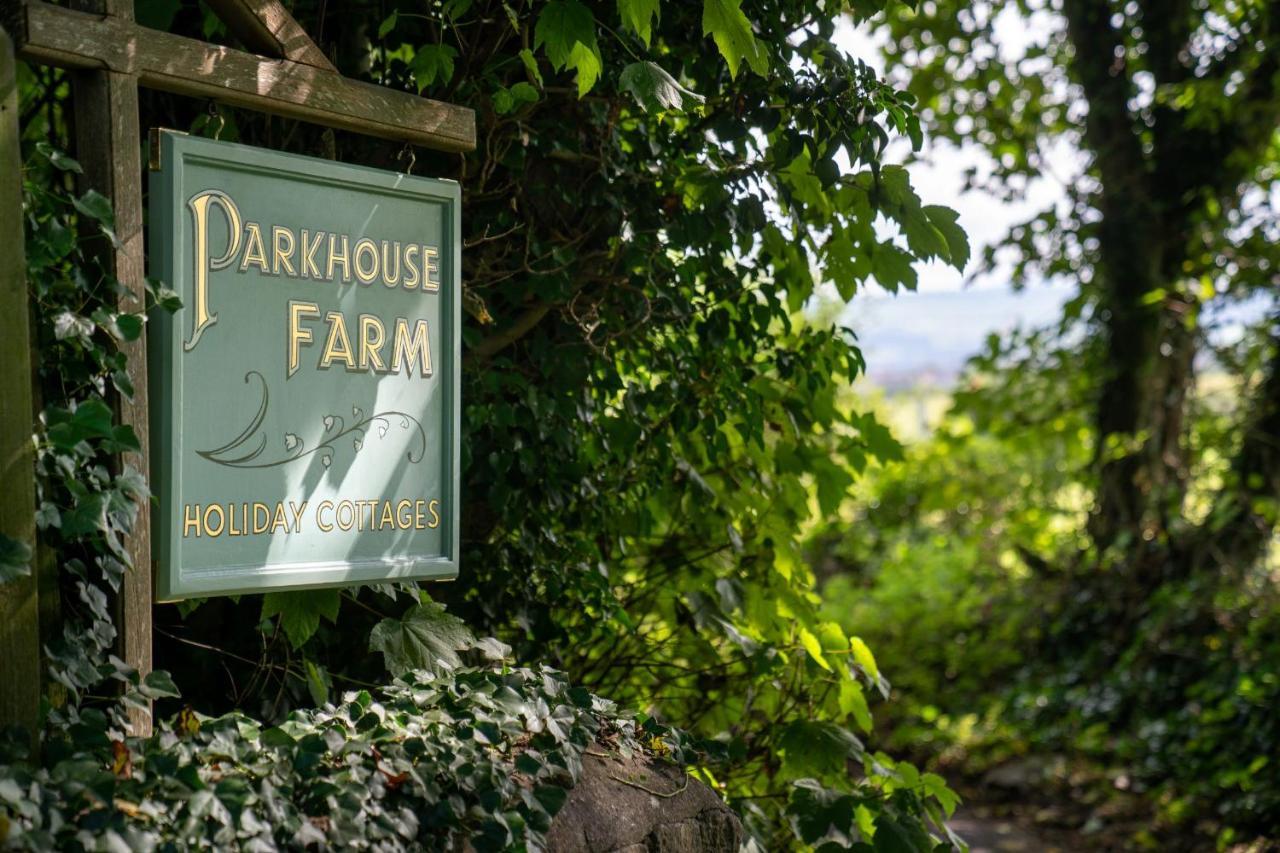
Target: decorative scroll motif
(242, 452)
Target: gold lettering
(419, 520)
(320, 523)
(279, 520)
(299, 334)
(254, 252)
(351, 515)
(387, 278)
(266, 520)
(190, 519)
(405, 351)
(365, 246)
(334, 257)
(307, 258)
(337, 347)
(231, 522)
(222, 520)
(404, 515)
(281, 256)
(297, 511)
(410, 266)
(435, 514)
(199, 205)
(372, 336)
(430, 266)
(387, 517)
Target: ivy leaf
(59, 160)
(70, 325)
(158, 684)
(433, 62)
(300, 612)
(639, 15)
(15, 559)
(95, 205)
(653, 87)
(724, 22)
(426, 637)
(566, 31)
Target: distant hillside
(924, 339)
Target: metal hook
(407, 150)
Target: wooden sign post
(112, 56)
(19, 620)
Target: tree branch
(495, 343)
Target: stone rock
(641, 805)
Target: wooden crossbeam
(170, 63)
(266, 27)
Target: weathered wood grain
(19, 614)
(266, 27)
(184, 66)
(108, 146)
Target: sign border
(175, 149)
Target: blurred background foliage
(1072, 574)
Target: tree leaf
(814, 648)
(724, 22)
(566, 32)
(389, 23)
(638, 16)
(946, 221)
(853, 702)
(433, 62)
(426, 637)
(862, 654)
(818, 748)
(653, 87)
(300, 612)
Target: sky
(927, 335)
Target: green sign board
(305, 399)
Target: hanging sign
(304, 400)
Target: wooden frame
(111, 55)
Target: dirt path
(997, 835)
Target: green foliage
(86, 503)
(425, 637)
(724, 21)
(300, 612)
(468, 756)
(653, 420)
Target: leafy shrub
(435, 761)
